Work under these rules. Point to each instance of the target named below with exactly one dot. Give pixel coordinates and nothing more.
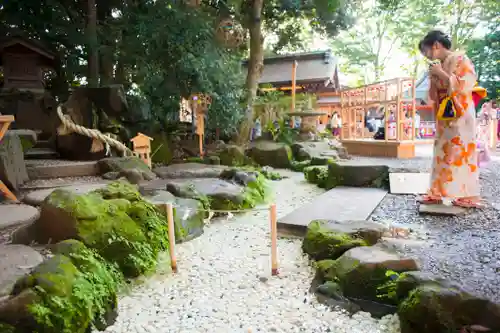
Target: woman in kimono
(455, 173)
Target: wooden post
(294, 83)
(399, 110)
(171, 236)
(274, 240)
(386, 113)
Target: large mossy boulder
(321, 242)
(433, 308)
(429, 303)
(274, 154)
(72, 292)
(219, 194)
(125, 164)
(115, 221)
(349, 174)
(361, 272)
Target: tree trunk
(255, 62)
(92, 47)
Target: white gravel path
(224, 283)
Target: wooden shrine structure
(23, 95)
(394, 102)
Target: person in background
(417, 125)
(334, 124)
(455, 172)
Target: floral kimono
(455, 172)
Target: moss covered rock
(232, 155)
(347, 174)
(115, 221)
(300, 166)
(221, 194)
(321, 242)
(434, 308)
(120, 164)
(317, 174)
(363, 271)
(71, 292)
(275, 154)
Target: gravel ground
(464, 249)
(224, 283)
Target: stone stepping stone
(189, 170)
(340, 204)
(35, 198)
(15, 262)
(409, 183)
(441, 210)
(12, 215)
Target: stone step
(46, 144)
(35, 198)
(40, 154)
(339, 204)
(61, 169)
(17, 214)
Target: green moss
(256, 192)
(363, 282)
(6, 328)
(105, 226)
(232, 156)
(120, 190)
(321, 243)
(27, 145)
(323, 267)
(195, 160)
(152, 222)
(76, 290)
(317, 174)
(300, 166)
(321, 160)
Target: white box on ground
(409, 183)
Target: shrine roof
(30, 44)
(312, 67)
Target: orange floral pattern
(455, 173)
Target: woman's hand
(438, 71)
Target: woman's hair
(433, 37)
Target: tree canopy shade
(159, 50)
(485, 54)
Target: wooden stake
(274, 240)
(171, 237)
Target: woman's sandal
(429, 200)
(468, 203)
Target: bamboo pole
(274, 240)
(171, 236)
